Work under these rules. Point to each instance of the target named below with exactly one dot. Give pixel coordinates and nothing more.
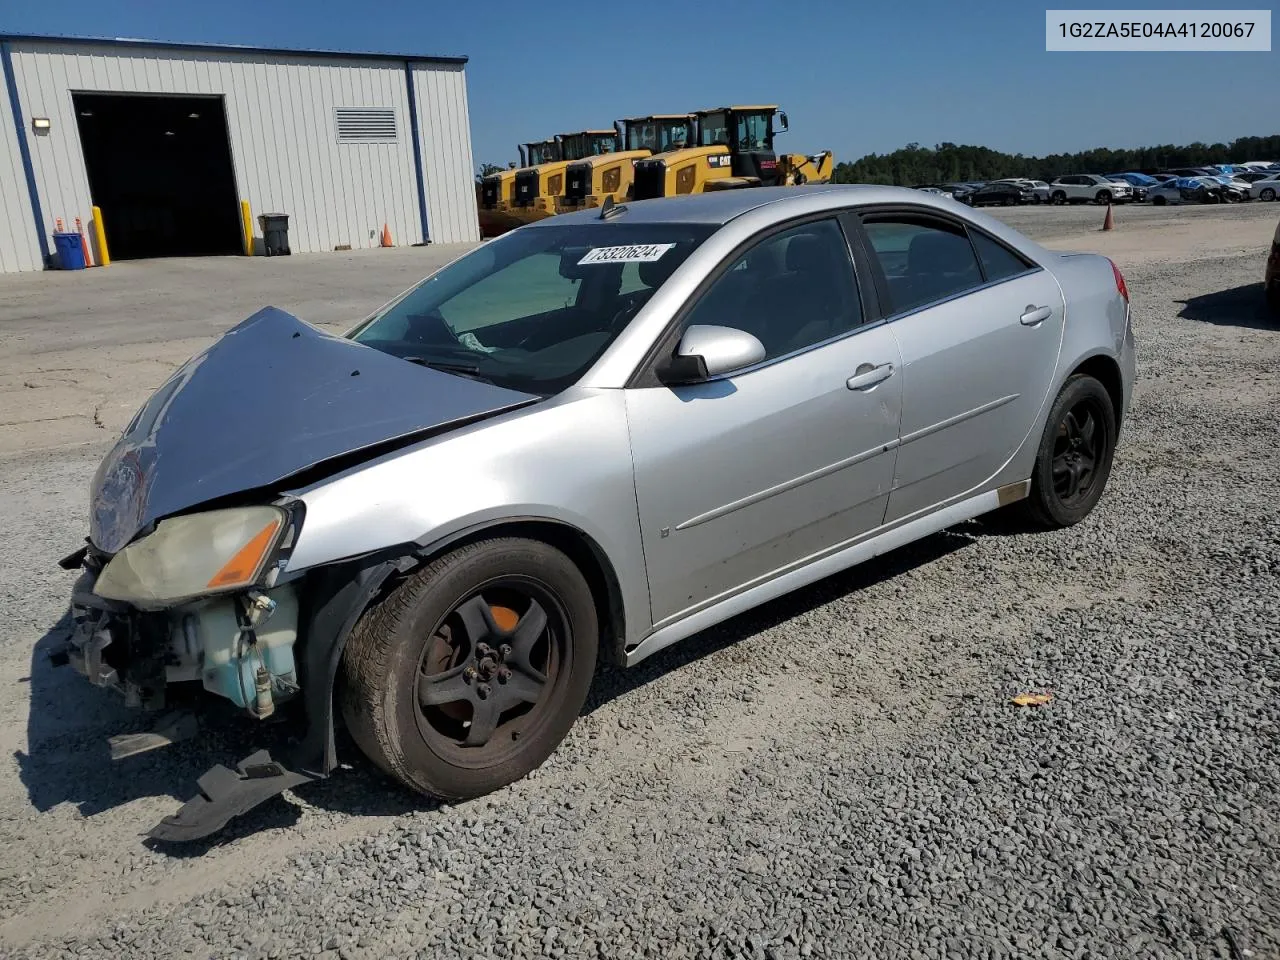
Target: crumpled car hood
(272, 397)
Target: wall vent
(365, 124)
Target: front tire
(1074, 460)
(470, 673)
(1268, 194)
(1059, 197)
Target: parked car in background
(1140, 182)
(959, 190)
(1039, 189)
(936, 191)
(1192, 171)
(1233, 191)
(1139, 192)
(1002, 193)
(1089, 188)
(1186, 190)
(1271, 274)
(1252, 176)
(1267, 189)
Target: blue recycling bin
(70, 253)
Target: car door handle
(868, 376)
(1034, 315)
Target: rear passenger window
(923, 260)
(998, 261)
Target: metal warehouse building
(171, 140)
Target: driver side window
(790, 291)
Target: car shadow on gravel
(68, 760)
(613, 682)
(1244, 306)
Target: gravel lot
(839, 774)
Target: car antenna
(609, 209)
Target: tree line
(950, 162)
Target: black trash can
(275, 233)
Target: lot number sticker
(632, 253)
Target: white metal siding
(18, 247)
(444, 131)
(284, 141)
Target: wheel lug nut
(469, 674)
(505, 650)
(483, 691)
(504, 674)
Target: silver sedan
(583, 441)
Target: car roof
(718, 207)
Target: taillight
(1121, 286)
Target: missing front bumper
(239, 648)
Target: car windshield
(533, 309)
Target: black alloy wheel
(470, 672)
(491, 669)
(1073, 462)
(1077, 452)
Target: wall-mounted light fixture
(40, 124)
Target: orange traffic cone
(386, 236)
(1110, 222)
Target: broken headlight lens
(194, 555)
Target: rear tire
(432, 638)
(1158, 201)
(1075, 455)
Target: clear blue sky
(853, 78)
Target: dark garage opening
(160, 170)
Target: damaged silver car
(582, 441)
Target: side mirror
(782, 115)
(707, 351)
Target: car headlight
(195, 555)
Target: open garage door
(160, 169)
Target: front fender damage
(334, 598)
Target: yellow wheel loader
(538, 188)
(591, 180)
(497, 189)
(734, 149)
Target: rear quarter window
(998, 261)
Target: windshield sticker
(632, 253)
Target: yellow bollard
(248, 227)
(100, 235)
